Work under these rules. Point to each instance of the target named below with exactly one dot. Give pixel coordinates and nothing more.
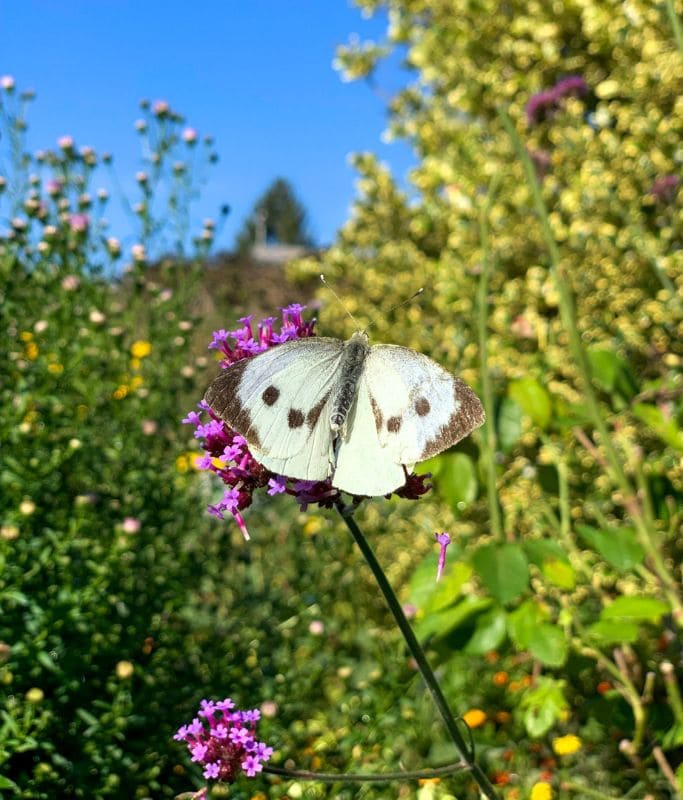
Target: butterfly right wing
(278, 400)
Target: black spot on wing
(422, 407)
(377, 414)
(223, 399)
(467, 415)
(394, 424)
(270, 395)
(314, 414)
(295, 418)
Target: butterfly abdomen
(351, 368)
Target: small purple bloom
(251, 765)
(192, 419)
(277, 485)
(212, 770)
(444, 540)
(198, 751)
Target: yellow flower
(474, 718)
(566, 745)
(140, 349)
(26, 336)
(124, 669)
(32, 351)
(55, 369)
(27, 507)
(136, 381)
(35, 695)
(542, 791)
(121, 392)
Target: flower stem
(489, 431)
(675, 24)
(418, 654)
(367, 777)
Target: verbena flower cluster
(224, 742)
(543, 104)
(227, 453)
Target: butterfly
(360, 414)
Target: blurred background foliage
(556, 627)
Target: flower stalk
(465, 751)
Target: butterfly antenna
(402, 303)
(339, 300)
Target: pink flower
(160, 108)
(190, 135)
(65, 142)
(79, 223)
(70, 283)
(317, 627)
(7, 83)
(444, 540)
(130, 525)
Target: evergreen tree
(278, 218)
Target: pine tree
(278, 218)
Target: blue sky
(258, 76)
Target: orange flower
(501, 678)
(474, 718)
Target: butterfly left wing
(278, 400)
(408, 409)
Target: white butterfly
(317, 407)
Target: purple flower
(251, 765)
(444, 540)
(79, 222)
(543, 104)
(224, 744)
(277, 485)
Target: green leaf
(533, 399)
(441, 623)
(613, 631)
(503, 570)
(509, 424)
(673, 737)
(543, 706)
(6, 783)
(449, 588)
(560, 573)
(522, 622)
(665, 428)
(457, 480)
(612, 373)
(645, 609)
(541, 550)
(47, 661)
(548, 644)
(489, 632)
(618, 546)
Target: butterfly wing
(278, 401)
(408, 409)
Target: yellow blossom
(124, 669)
(542, 791)
(35, 695)
(32, 351)
(121, 392)
(474, 718)
(566, 745)
(27, 507)
(136, 381)
(26, 336)
(55, 369)
(140, 349)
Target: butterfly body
(362, 415)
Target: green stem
(675, 24)
(568, 315)
(419, 655)
(367, 777)
(486, 389)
